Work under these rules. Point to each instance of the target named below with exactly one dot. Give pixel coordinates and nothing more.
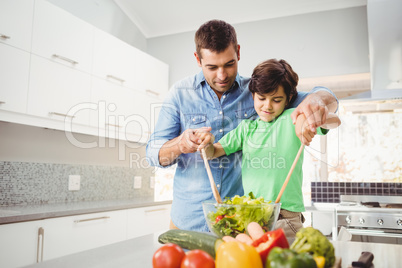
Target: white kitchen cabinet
(58, 92)
(16, 23)
(155, 77)
(121, 111)
(115, 60)
(147, 220)
(68, 235)
(20, 243)
(14, 77)
(62, 37)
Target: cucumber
(191, 240)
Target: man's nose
(222, 74)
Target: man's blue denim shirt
(191, 103)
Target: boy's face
(220, 69)
(271, 105)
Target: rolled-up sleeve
(166, 128)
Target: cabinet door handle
(114, 125)
(41, 242)
(152, 92)
(155, 210)
(92, 219)
(2, 102)
(60, 114)
(116, 78)
(3, 36)
(65, 59)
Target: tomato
(168, 256)
(218, 218)
(197, 258)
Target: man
(215, 100)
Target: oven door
(365, 230)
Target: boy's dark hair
(216, 36)
(270, 74)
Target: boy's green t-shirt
(269, 149)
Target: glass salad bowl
(233, 215)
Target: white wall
(317, 44)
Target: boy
(270, 143)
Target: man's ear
(198, 59)
(238, 52)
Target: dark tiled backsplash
(330, 192)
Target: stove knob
(361, 221)
(380, 221)
(348, 219)
(399, 222)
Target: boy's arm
(214, 150)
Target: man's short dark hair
(216, 36)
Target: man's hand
(189, 140)
(315, 110)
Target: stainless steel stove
(371, 218)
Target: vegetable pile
(256, 249)
(233, 220)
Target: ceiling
(165, 17)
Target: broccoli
(314, 242)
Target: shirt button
(193, 119)
(220, 112)
(220, 130)
(245, 114)
(224, 96)
(220, 166)
(218, 185)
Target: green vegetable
(234, 220)
(312, 241)
(287, 258)
(191, 240)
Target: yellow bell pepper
(320, 261)
(235, 254)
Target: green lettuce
(234, 220)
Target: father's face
(220, 69)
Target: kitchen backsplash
(24, 183)
(329, 192)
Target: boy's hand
(205, 137)
(303, 130)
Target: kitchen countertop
(13, 214)
(138, 252)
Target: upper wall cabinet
(14, 77)
(16, 23)
(155, 77)
(61, 37)
(115, 60)
(58, 92)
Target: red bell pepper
(268, 241)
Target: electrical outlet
(152, 182)
(137, 182)
(74, 182)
